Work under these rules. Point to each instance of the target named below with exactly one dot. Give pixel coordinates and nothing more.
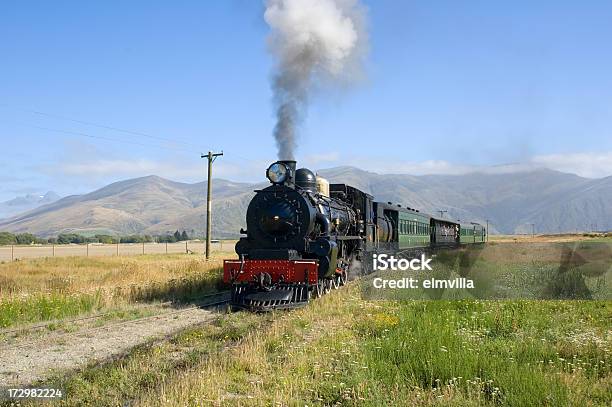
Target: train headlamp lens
(277, 173)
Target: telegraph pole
(211, 158)
(442, 213)
(532, 229)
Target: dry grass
(155, 364)
(292, 362)
(53, 288)
(550, 238)
(86, 275)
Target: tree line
(7, 238)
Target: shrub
(7, 238)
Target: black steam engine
(302, 235)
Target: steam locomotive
(304, 234)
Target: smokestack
(316, 43)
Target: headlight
(277, 173)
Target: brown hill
(553, 201)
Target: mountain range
(547, 201)
(25, 203)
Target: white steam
(316, 43)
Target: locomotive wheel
(343, 278)
(327, 285)
(319, 289)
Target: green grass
(506, 353)
(342, 350)
(46, 307)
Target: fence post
(117, 249)
(221, 244)
(53, 250)
(12, 252)
(87, 244)
(186, 250)
(143, 248)
(166, 247)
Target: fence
(16, 252)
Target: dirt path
(28, 360)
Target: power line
(81, 134)
(112, 128)
(103, 126)
(76, 133)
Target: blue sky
(451, 87)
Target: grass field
(342, 350)
(339, 350)
(552, 238)
(21, 252)
(54, 288)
